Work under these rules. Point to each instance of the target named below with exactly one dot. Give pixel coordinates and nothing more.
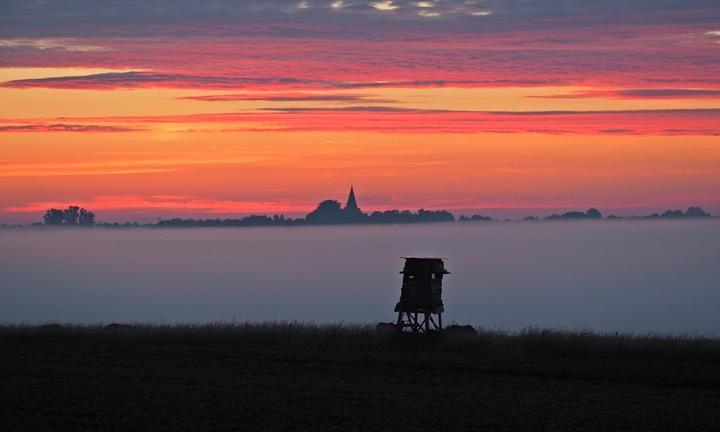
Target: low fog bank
(607, 276)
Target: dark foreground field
(295, 377)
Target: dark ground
(284, 377)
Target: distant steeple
(351, 204)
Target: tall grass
(530, 341)
(190, 334)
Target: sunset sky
(140, 110)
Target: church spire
(351, 204)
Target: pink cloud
(626, 55)
(392, 119)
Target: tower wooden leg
(419, 322)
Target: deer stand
(421, 295)
(419, 322)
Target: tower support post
(419, 321)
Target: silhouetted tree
(692, 212)
(673, 214)
(54, 217)
(590, 214)
(573, 215)
(86, 217)
(406, 216)
(73, 215)
(593, 213)
(697, 212)
(475, 218)
(327, 212)
(252, 220)
(435, 216)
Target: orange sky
(93, 121)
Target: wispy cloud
(384, 5)
(62, 127)
(648, 93)
(134, 79)
(378, 108)
(288, 97)
(114, 166)
(408, 120)
(63, 44)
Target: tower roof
(351, 202)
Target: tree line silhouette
(330, 212)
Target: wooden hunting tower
(421, 295)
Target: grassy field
(304, 377)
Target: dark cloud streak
(299, 97)
(134, 79)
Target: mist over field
(636, 276)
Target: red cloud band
(390, 119)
